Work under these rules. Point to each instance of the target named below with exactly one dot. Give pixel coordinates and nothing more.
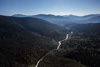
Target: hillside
(94, 19)
(84, 45)
(66, 19)
(90, 16)
(19, 47)
(56, 58)
(58, 20)
(39, 26)
(25, 40)
(86, 28)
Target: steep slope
(58, 20)
(19, 47)
(94, 20)
(63, 20)
(48, 17)
(51, 18)
(74, 17)
(56, 59)
(87, 28)
(91, 20)
(19, 15)
(66, 19)
(90, 16)
(84, 44)
(39, 26)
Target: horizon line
(50, 14)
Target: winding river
(56, 49)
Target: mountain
(95, 19)
(19, 15)
(42, 16)
(84, 44)
(56, 59)
(39, 26)
(66, 19)
(81, 18)
(58, 20)
(53, 17)
(91, 16)
(86, 28)
(74, 17)
(91, 20)
(20, 47)
(25, 40)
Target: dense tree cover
(20, 47)
(85, 51)
(38, 26)
(55, 59)
(23, 41)
(89, 28)
(84, 45)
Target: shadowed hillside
(19, 47)
(39, 26)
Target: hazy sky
(57, 7)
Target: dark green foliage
(23, 41)
(19, 47)
(86, 28)
(87, 56)
(84, 45)
(55, 59)
(39, 26)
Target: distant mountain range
(65, 19)
(86, 28)
(95, 19)
(19, 45)
(26, 39)
(50, 18)
(39, 26)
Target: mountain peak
(19, 15)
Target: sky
(56, 7)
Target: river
(59, 44)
